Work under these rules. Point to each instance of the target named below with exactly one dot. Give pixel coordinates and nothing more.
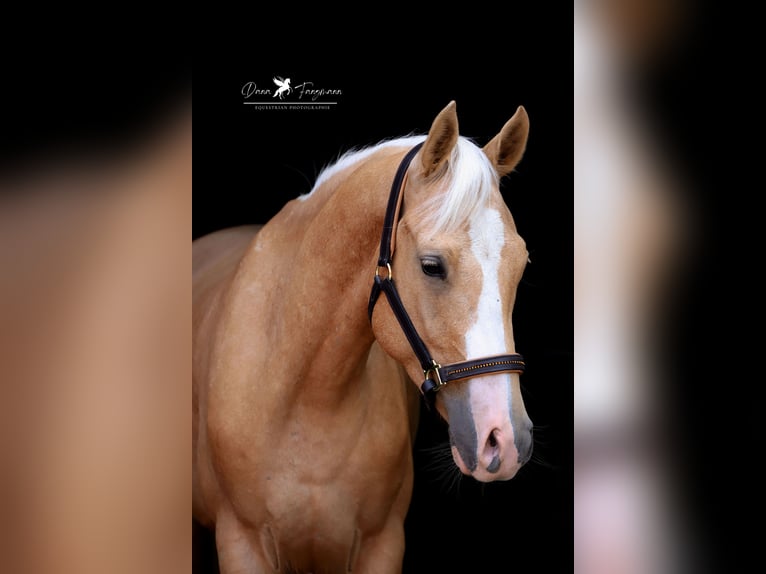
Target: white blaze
(487, 335)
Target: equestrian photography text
(284, 93)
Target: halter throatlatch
(436, 376)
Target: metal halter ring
(433, 374)
(390, 273)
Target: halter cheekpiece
(436, 376)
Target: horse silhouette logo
(284, 86)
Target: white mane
(468, 181)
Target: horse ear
(442, 137)
(507, 147)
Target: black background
(249, 162)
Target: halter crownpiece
(436, 376)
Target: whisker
(437, 463)
(539, 432)
(455, 482)
(540, 443)
(539, 461)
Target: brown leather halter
(436, 376)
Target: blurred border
(95, 304)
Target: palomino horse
(304, 404)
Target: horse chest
(316, 504)
(312, 474)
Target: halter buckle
(433, 374)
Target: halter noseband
(435, 375)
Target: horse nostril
(494, 466)
(493, 451)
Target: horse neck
(325, 307)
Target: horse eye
(433, 267)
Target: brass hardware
(436, 378)
(390, 273)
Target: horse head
(458, 262)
